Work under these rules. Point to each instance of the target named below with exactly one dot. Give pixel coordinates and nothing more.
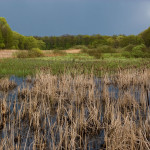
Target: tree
(145, 35)
(21, 44)
(2, 45)
(15, 40)
(131, 39)
(6, 33)
(111, 41)
(41, 44)
(30, 42)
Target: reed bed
(78, 112)
(6, 85)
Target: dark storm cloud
(58, 17)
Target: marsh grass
(78, 111)
(58, 65)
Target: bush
(2, 45)
(117, 55)
(126, 54)
(147, 55)
(129, 48)
(138, 51)
(35, 52)
(141, 47)
(82, 47)
(106, 49)
(58, 52)
(21, 54)
(84, 50)
(145, 35)
(94, 52)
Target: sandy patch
(7, 53)
(10, 53)
(73, 51)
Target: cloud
(57, 17)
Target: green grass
(77, 63)
(70, 57)
(113, 55)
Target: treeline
(95, 45)
(12, 40)
(68, 41)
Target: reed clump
(132, 77)
(6, 84)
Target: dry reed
(76, 112)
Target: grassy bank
(70, 62)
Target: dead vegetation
(76, 112)
(6, 85)
(47, 53)
(7, 53)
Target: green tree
(15, 40)
(2, 45)
(41, 44)
(6, 33)
(130, 40)
(145, 35)
(111, 41)
(30, 42)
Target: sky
(59, 17)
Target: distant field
(10, 53)
(72, 61)
(7, 53)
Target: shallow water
(94, 142)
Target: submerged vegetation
(78, 112)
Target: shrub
(106, 49)
(145, 35)
(117, 55)
(148, 49)
(35, 52)
(58, 52)
(2, 45)
(84, 50)
(129, 48)
(141, 47)
(82, 47)
(21, 54)
(137, 53)
(94, 52)
(126, 54)
(147, 55)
